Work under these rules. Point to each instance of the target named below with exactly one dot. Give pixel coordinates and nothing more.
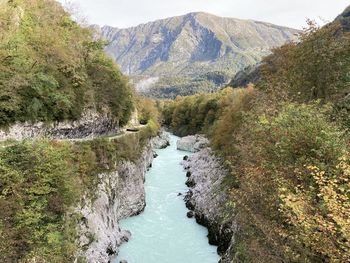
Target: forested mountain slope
(286, 145)
(252, 74)
(183, 50)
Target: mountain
(344, 19)
(251, 74)
(191, 46)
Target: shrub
(51, 69)
(298, 160)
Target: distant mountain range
(191, 53)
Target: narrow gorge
(164, 232)
(195, 138)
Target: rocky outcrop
(90, 125)
(192, 143)
(192, 44)
(344, 19)
(246, 76)
(162, 141)
(208, 198)
(166, 57)
(120, 195)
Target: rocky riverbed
(208, 194)
(120, 195)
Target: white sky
(126, 13)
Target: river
(163, 233)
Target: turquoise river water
(163, 233)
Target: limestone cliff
(91, 124)
(120, 194)
(208, 197)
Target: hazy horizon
(128, 13)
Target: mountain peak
(193, 44)
(200, 13)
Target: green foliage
(316, 68)
(40, 184)
(292, 210)
(171, 87)
(148, 110)
(197, 113)
(37, 189)
(286, 146)
(51, 69)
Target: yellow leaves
(263, 120)
(329, 215)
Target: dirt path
(123, 132)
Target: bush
(42, 181)
(51, 69)
(147, 110)
(299, 161)
(36, 191)
(197, 113)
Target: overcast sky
(126, 13)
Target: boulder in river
(190, 214)
(161, 141)
(192, 143)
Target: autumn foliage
(286, 145)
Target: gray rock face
(193, 43)
(90, 125)
(250, 74)
(192, 143)
(208, 197)
(120, 194)
(161, 141)
(344, 19)
(189, 54)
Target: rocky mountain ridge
(191, 45)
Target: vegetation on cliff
(286, 143)
(171, 87)
(52, 69)
(41, 183)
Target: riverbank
(120, 194)
(208, 194)
(163, 232)
(71, 195)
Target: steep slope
(56, 82)
(192, 45)
(53, 70)
(251, 74)
(285, 144)
(344, 18)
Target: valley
(195, 138)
